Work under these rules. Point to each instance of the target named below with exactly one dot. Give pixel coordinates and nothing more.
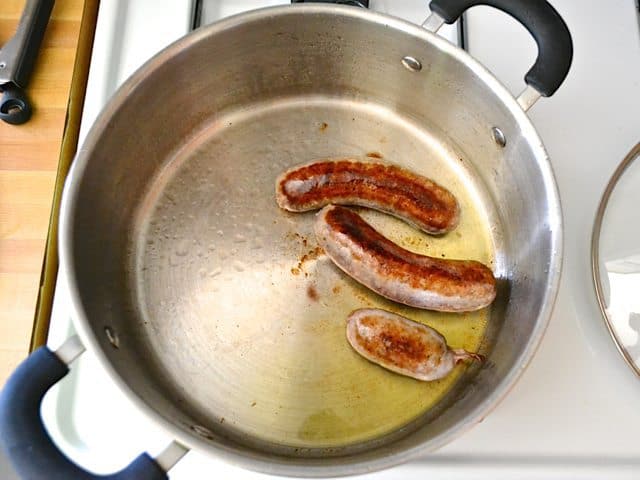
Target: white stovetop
(574, 413)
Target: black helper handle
(24, 438)
(555, 48)
(17, 59)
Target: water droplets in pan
(182, 249)
(255, 334)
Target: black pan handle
(555, 48)
(24, 438)
(17, 59)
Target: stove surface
(573, 414)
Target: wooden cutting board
(34, 159)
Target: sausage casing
(388, 188)
(402, 345)
(398, 274)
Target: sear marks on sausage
(402, 345)
(398, 274)
(388, 188)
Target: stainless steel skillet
(214, 311)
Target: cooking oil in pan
(244, 313)
(358, 400)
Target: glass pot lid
(615, 257)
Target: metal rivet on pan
(112, 336)
(3, 65)
(411, 63)
(202, 431)
(499, 137)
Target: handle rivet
(112, 336)
(498, 137)
(411, 63)
(3, 65)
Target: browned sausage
(402, 345)
(398, 274)
(388, 188)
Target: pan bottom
(242, 311)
